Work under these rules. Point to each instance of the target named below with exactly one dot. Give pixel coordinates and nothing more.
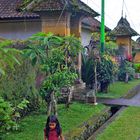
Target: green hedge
(19, 84)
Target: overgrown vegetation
(6, 113)
(18, 94)
(19, 84)
(126, 71)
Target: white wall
(19, 29)
(85, 36)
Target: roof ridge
(11, 9)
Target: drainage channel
(115, 111)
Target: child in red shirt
(53, 130)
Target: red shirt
(53, 135)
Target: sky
(113, 12)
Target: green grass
(125, 127)
(32, 126)
(119, 89)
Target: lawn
(125, 127)
(32, 126)
(119, 89)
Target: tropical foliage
(137, 67)
(88, 71)
(56, 57)
(6, 121)
(126, 70)
(14, 94)
(10, 115)
(106, 71)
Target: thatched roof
(8, 10)
(18, 9)
(93, 24)
(138, 40)
(123, 29)
(59, 5)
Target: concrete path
(134, 101)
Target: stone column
(75, 29)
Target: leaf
(16, 60)
(33, 55)
(34, 61)
(17, 114)
(2, 71)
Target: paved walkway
(134, 101)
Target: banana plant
(8, 56)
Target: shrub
(125, 68)
(105, 71)
(19, 84)
(137, 68)
(10, 115)
(6, 112)
(87, 71)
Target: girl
(53, 130)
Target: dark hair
(54, 119)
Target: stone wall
(22, 29)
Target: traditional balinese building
(90, 25)
(19, 20)
(137, 51)
(62, 17)
(123, 33)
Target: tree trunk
(70, 89)
(126, 78)
(95, 71)
(95, 87)
(52, 105)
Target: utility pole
(102, 39)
